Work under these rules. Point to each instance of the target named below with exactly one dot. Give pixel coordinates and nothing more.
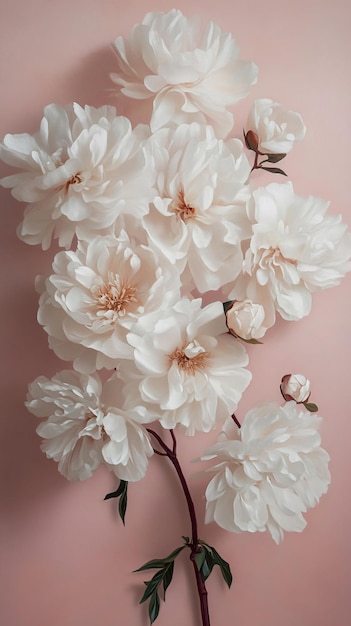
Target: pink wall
(66, 559)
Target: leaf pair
(162, 578)
(120, 493)
(207, 558)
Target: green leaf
(274, 158)
(273, 170)
(160, 563)
(120, 493)
(212, 558)
(207, 565)
(151, 586)
(122, 505)
(199, 558)
(224, 567)
(164, 575)
(167, 577)
(310, 406)
(186, 539)
(154, 607)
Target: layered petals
(268, 474)
(191, 73)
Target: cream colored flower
(276, 128)
(192, 74)
(83, 170)
(85, 426)
(245, 320)
(296, 249)
(186, 365)
(95, 296)
(295, 387)
(268, 474)
(198, 217)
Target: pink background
(66, 559)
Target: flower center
(77, 178)
(183, 210)
(116, 296)
(191, 358)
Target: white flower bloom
(198, 217)
(295, 387)
(129, 447)
(82, 430)
(271, 474)
(245, 320)
(80, 172)
(96, 295)
(192, 74)
(296, 248)
(187, 365)
(276, 128)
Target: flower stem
(194, 544)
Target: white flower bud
(295, 387)
(245, 320)
(275, 127)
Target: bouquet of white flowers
(150, 219)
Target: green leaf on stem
(273, 170)
(274, 158)
(205, 564)
(160, 563)
(310, 406)
(224, 567)
(154, 607)
(164, 576)
(120, 493)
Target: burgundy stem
(194, 545)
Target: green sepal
(120, 493)
(274, 158)
(310, 406)
(251, 141)
(228, 305)
(253, 341)
(273, 170)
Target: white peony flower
(198, 217)
(95, 296)
(275, 127)
(187, 365)
(245, 320)
(295, 387)
(80, 172)
(295, 250)
(73, 433)
(271, 474)
(192, 74)
(82, 430)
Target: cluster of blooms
(149, 218)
